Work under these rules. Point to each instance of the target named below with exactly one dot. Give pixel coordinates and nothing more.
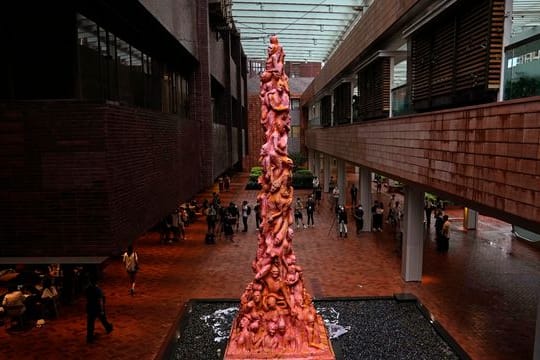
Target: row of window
(112, 69)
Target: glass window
(113, 69)
(87, 36)
(522, 70)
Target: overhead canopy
(309, 30)
(525, 16)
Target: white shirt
(130, 261)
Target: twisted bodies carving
(277, 316)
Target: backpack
(248, 210)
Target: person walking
(131, 263)
(95, 308)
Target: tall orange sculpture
(277, 318)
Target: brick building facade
(116, 124)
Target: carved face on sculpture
(291, 259)
(272, 328)
(256, 297)
(271, 302)
(274, 272)
(244, 323)
(254, 326)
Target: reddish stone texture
(277, 317)
(86, 179)
(255, 131)
(496, 146)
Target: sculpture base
(320, 351)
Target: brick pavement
(483, 291)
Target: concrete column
(341, 180)
(536, 355)
(470, 219)
(413, 235)
(311, 160)
(332, 119)
(507, 33)
(326, 174)
(317, 164)
(364, 186)
(353, 83)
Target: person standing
(439, 222)
(359, 218)
(310, 209)
(95, 308)
(175, 225)
(246, 211)
(131, 263)
(354, 195)
(298, 217)
(445, 234)
(221, 184)
(331, 184)
(335, 195)
(211, 219)
(315, 182)
(342, 221)
(428, 209)
(227, 183)
(258, 216)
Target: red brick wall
(201, 97)
(256, 135)
(487, 156)
(86, 179)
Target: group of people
(224, 183)
(173, 226)
(31, 301)
(299, 207)
(226, 219)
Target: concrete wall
(487, 156)
(179, 17)
(87, 179)
(234, 82)
(216, 60)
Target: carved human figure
(270, 341)
(276, 316)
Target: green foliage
(254, 174)
(253, 185)
(302, 171)
(298, 159)
(302, 179)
